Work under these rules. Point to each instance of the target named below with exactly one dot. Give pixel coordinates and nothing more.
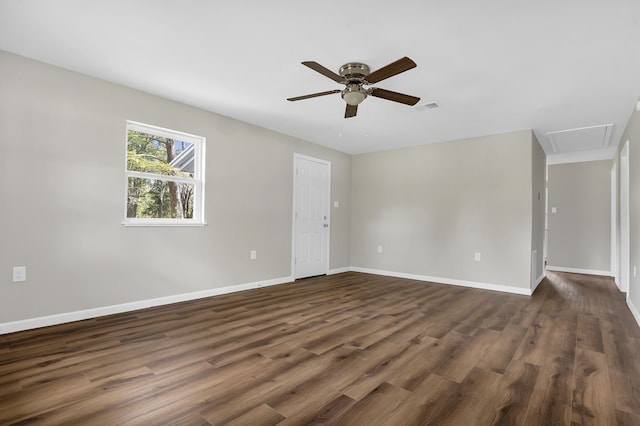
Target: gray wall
(579, 233)
(432, 207)
(538, 199)
(632, 134)
(62, 154)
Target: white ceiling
(493, 66)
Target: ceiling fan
(356, 75)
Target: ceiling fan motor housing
(354, 70)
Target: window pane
(155, 198)
(159, 154)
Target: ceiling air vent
(428, 105)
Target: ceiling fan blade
(394, 96)
(351, 111)
(314, 95)
(401, 65)
(324, 71)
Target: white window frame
(197, 180)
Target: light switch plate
(19, 274)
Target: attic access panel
(580, 139)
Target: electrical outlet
(477, 256)
(253, 255)
(379, 249)
(19, 274)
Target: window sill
(163, 223)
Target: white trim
(581, 156)
(339, 270)
(613, 249)
(11, 327)
(164, 132)
(165, 222)
(450, 281)
(165, 178)
(578, 270)
(634, 311)
(625, 219)
(328, 254)
(293, 220)
(537, 283)
(198, 180)
(534, 267)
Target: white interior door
(312, 179)
(624, 218)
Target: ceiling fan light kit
(354, 94)
(356, 75)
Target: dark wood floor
(347, 349)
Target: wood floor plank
(512, 400)
(461, 362)
(592, 406)
(554, 330)
(352, 348)
(174, 393)
(376, 369)
(294, 403)
(551, 399)
(25, 405)
(624, 418)
(427, 362)
(500, 353)
(526, 314)
(378, 403)
(626, 391)
(589, 333)
(424, 401)
(467, 404)
(262, 415)
(327, 414)
(220, 401)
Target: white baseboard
(450, 281)
(28, 324)
(579, 271)
(31, 323)
(634, 311)
(617, 282)
(339, 270)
